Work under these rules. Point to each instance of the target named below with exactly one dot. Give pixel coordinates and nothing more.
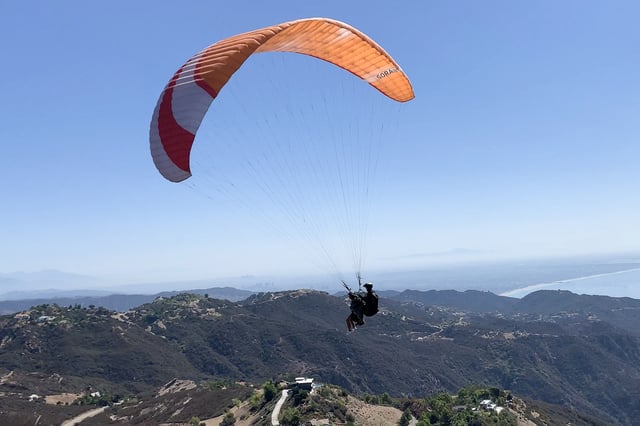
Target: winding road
(276, 410)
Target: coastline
(559, 284)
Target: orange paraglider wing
(188, 95)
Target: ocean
(616, 284)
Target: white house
(489, 405)
(303, 383)
(43, 318)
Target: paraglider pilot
(361, 304)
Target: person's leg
(358, 315)
(355, 320)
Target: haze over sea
(605, 275)
(616, 284)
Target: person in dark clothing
(362, 304)
(370, 301)
(356, 317)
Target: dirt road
(83, 416)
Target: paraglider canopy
(185, 100)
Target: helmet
(368, 285)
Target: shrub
(290, 417)
(228, 419)
(270, 391)
(405, 420)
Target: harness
(370, 304)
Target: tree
(228, 419)
(256, 400)
(507, 418)
(290, 417)
(385, 399)
(270, 391)
(424, 420)
(441, 408)
(300, 396)
(405, 420)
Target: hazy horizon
(510, 277)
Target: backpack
(371, 304)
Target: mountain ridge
(410, 348)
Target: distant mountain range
(581, 352)
(498, 277)
(17, 282)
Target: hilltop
(115, 302)
(186, 402)
(585, 357)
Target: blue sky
(522, 139)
